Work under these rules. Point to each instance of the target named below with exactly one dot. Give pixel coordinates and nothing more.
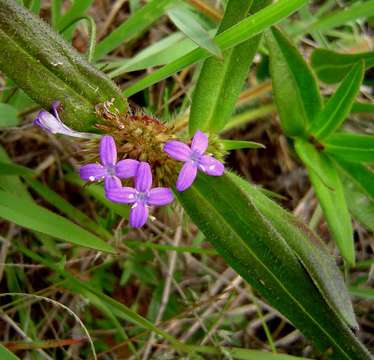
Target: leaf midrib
(264, 265)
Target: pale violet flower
(194, 159)
(53, 124)
(109, 170)
(142, 196)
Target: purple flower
(110, 170)
(194, 159)
(142, 196)
(53, 124)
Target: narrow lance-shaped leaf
(132, 27)
(360, 204)
(254, 244)
(330, 193)
(29, 215)
(5, 354)
(231, 37)
(339, 105)
(47, 68)
(331, 66)
(295, 87)
(185, 21)
(361, 175)
(241, 144)
(221, 80)
(309, 249)
(351, 147)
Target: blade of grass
(132, 27)
(233, 36)
(187, 23)
(27, 214)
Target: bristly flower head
(142, 196)
(53, 124)
(110, 170)
(194, 159)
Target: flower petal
(160, 196)
(138, 215)
(177, 150)
(126, 168)
(143, 179)
(53, 124)
(92, 172)
(125, 195)
(48, 122)
(108, 150)
(211, 166)
(199, 142)
(186, 176)
(111, 182)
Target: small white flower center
(91, 178)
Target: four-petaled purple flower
(142, 196)
(53, 124)
(194, 159)
(110, 170)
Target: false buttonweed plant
(144, 162)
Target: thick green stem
(47, 68)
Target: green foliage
(295, 87)
(8, 116)
(235, 35)
(185, 20)
(266, 254)
(54, 70)
(331, 67)
(351, 147)
(220, 81)
(6, 354)
(241, 144)
(339, 105)
(132, 27)
(330, 193)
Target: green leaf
(27, 214)
(8, 168)
(331, 67)
(309, 249)
(360, 204)
(351, 147)
(220, 81)
(97, 192)
(295, 87)
(69, 210)
(132, 27)
(242, 31)
(241, 144)
(76, 11)
(329, 190)
(254, 244)
(339, 105)
(55, 71)
(5, 354)
(342, 16)
(363, 107)
(159, 53)
(360, 175)
(8, 116)
(187, 23)
(363, 293)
